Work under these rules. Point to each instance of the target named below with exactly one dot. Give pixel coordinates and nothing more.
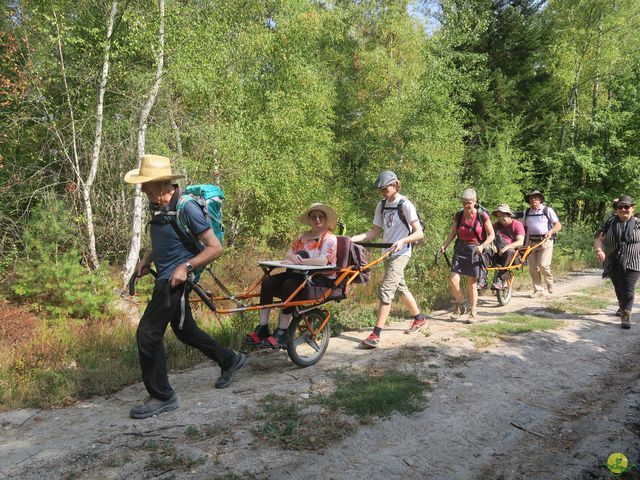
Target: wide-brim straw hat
(153, 168)
(532, 193)
(332, 217)
(503, 208)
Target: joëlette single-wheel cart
(518, 261)
(309, 331)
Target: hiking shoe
(154, 406)
(259, 333)
(458, 311)
(497, 284)
(472, 317)
(625, 320)
(227, 375)
(550, 288)
(536, 294)
(416, 326)
(619, 312)
(372, 341)
(279, 339)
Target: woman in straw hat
(317, 246)
(169, 302)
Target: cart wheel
(305, 348)
(504, 295)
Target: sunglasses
(624, 207)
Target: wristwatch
(189, 267)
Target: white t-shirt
(392, 226)
(537, 222)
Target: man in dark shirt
(169, 302)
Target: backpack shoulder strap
(403, 219)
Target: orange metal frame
(346, 275)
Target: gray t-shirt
(392, 226)
(168, 249)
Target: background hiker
(474, 232)
(618, 246)
(396, 218)
(509, 236)
(540, 222)
(317, 246)
(169, 302)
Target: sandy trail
(542, 405)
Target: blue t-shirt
(168, 249)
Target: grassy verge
(68, 360)
(294, 424)
(579, 305)
(509, 325)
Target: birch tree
(136, 228)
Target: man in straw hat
(396, 218)
(509, 236)
(169, 302)
(541, 223)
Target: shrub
(51, 272)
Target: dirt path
(542, 405)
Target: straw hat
(332, 217)
(153, 168)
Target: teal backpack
(209, 198)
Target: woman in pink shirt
(474, 232)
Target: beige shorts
(393, 280)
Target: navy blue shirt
(168, 249)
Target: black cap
(625, 200)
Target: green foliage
(50, 271)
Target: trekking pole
(202, 294)
(446, 258)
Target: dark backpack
(400, 210)
(358, 258)
(545, 212)
(481, 211)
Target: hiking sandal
(255, 338)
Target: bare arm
(417, 234)
(450, 237)
(488, 227)
(598, 244)
(518, 243)
(373, 233)
(555, 228)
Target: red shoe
(416, 326)
(372, 341)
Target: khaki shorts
(393, 280)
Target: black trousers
(502, 261)
(284, 284)
(624, 284)
(153, 324)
